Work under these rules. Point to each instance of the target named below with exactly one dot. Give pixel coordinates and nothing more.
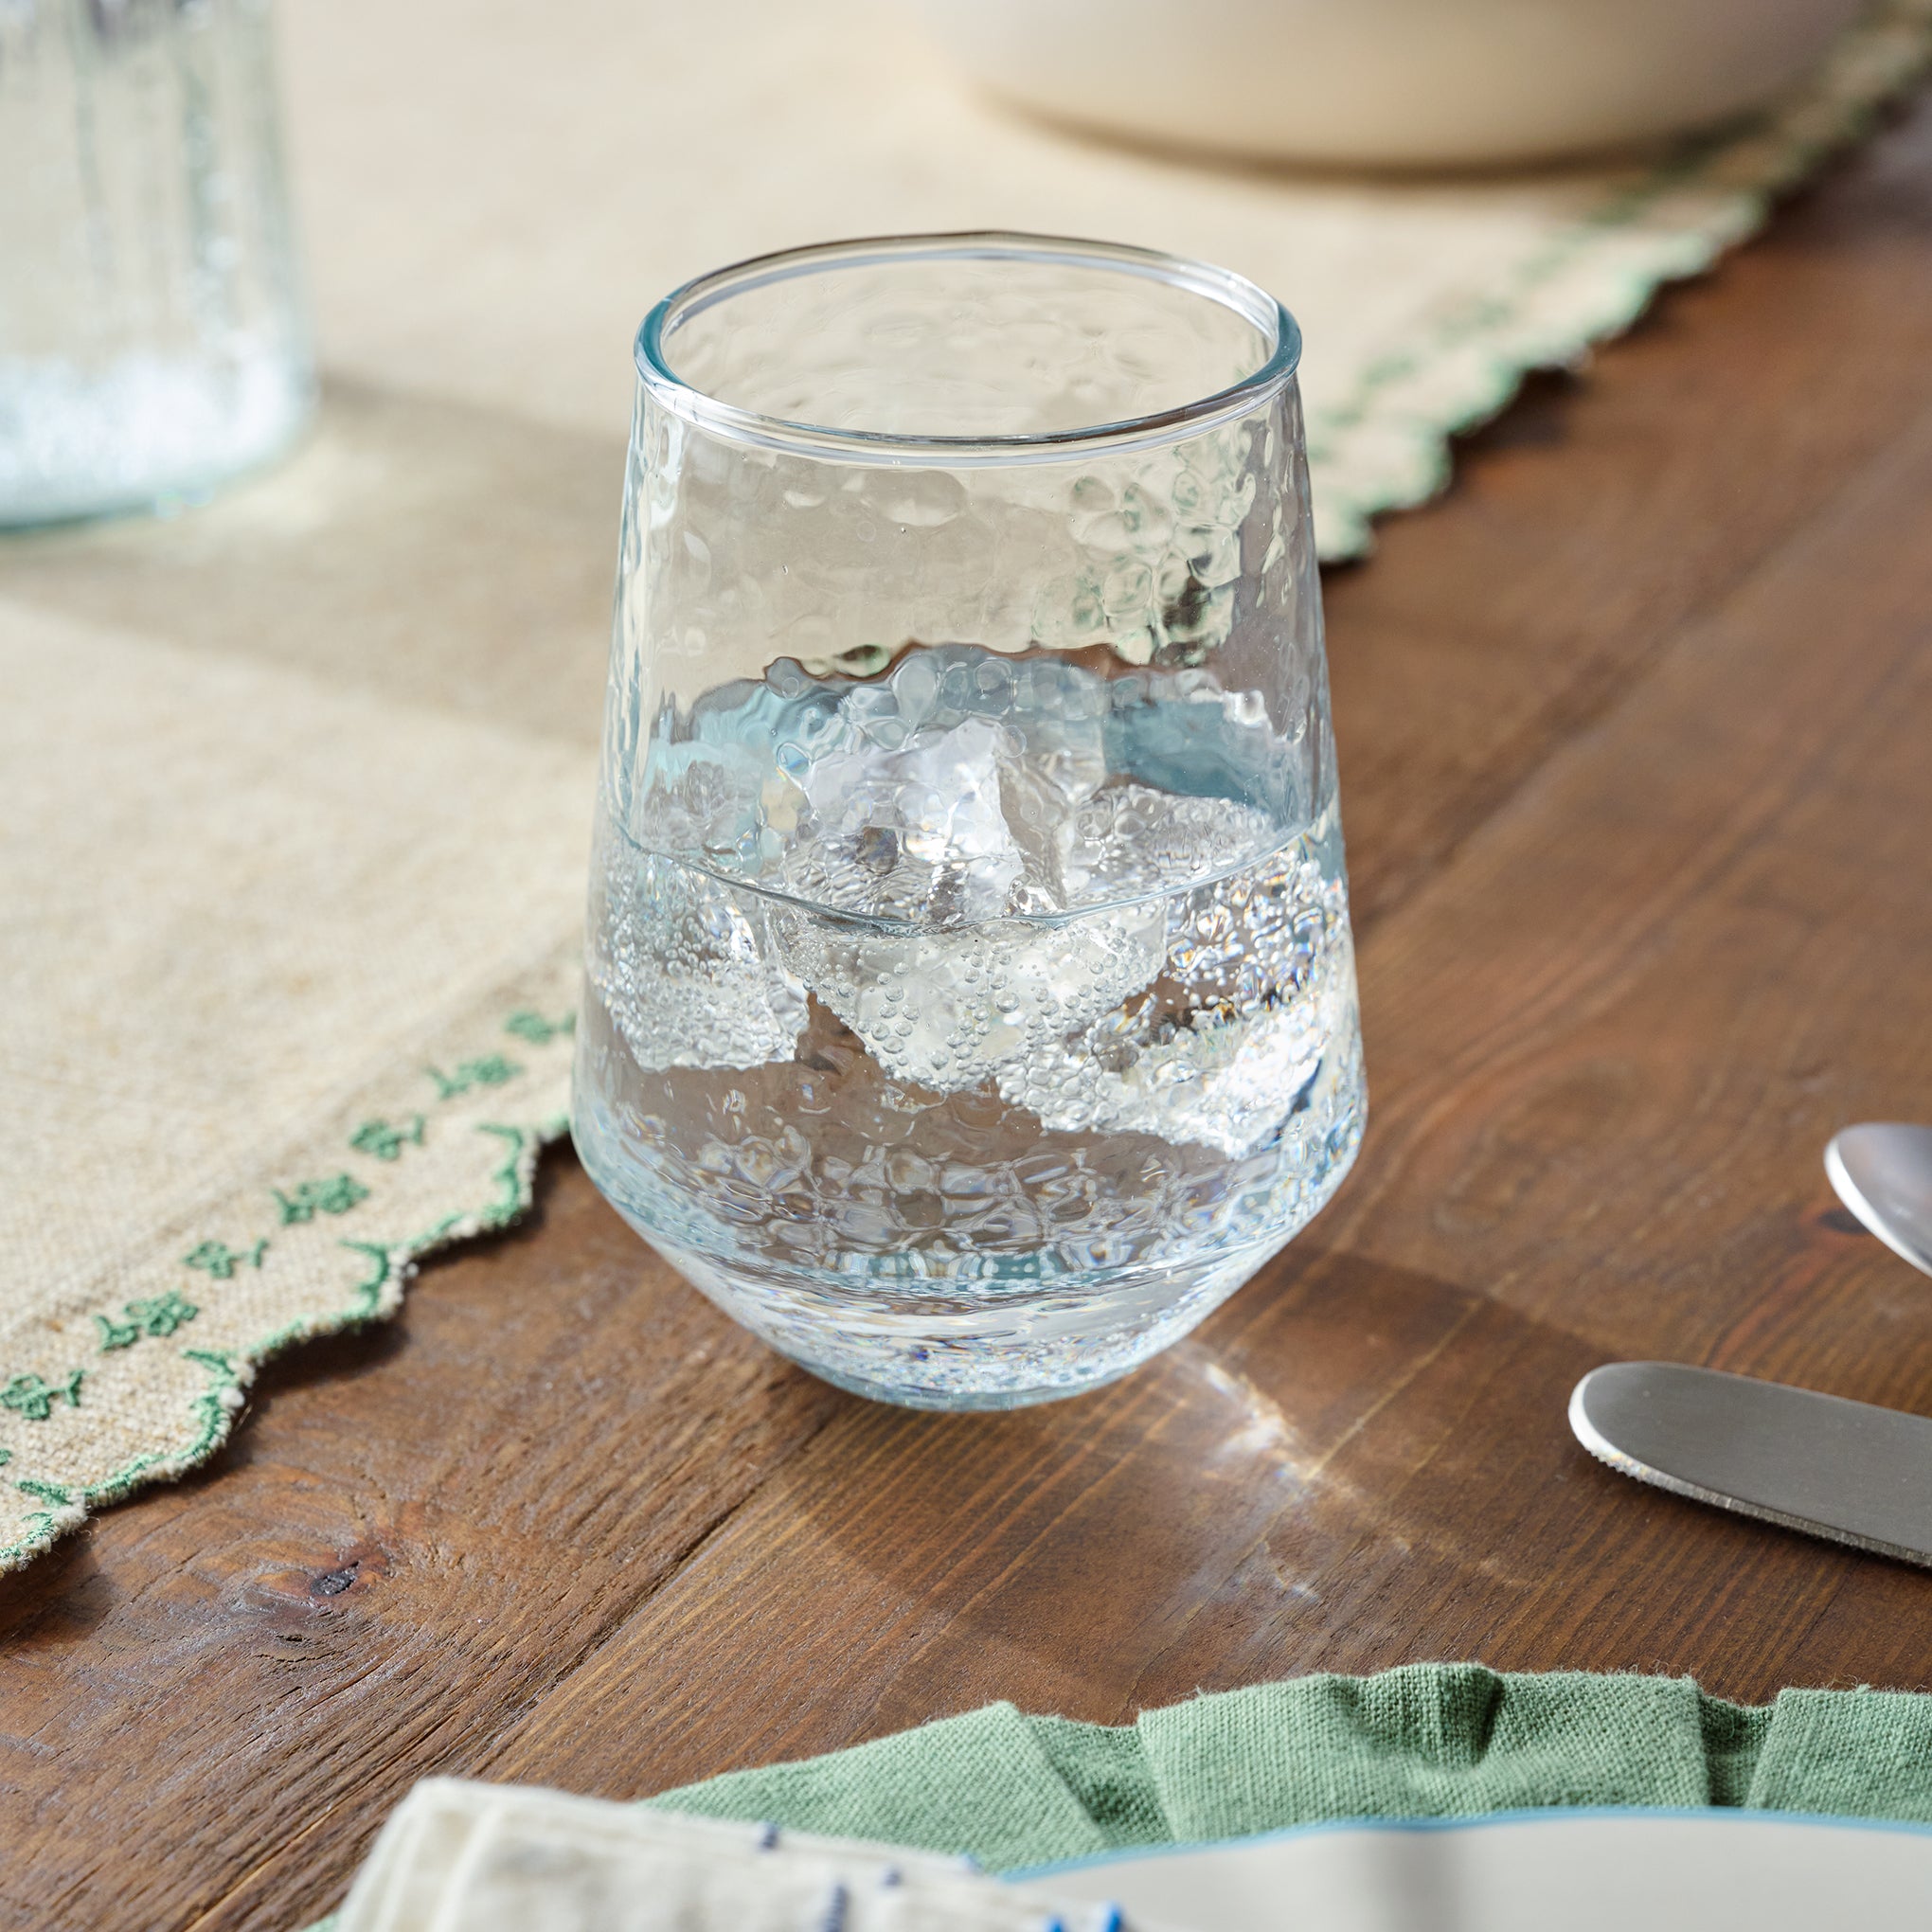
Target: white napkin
(457, 1856)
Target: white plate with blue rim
(1622, 1870)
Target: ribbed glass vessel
(154, 339)
(970, 1004)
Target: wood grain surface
(1635, 732)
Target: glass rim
(727, 419)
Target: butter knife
(1844, 1470)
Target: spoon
(1882, 1172)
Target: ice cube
(710, 797)
(1131, 840)
(1049, 768)
(951, 1010)
(1225, 1045)
(688, 969)
(1225, 1083)
(911, 831)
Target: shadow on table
(1274, 1494)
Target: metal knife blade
(1844, 1470)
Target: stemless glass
(971, 1001)
(154, 339)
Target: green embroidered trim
(216, 1412)
(164, 1313)
(492, 1069)
(123, 1482)
(336, 1195)
(1486, 314)
(512, 1193)
(28, 1396)
(217, 1406)
(534, 1028)
(43, 1526)
(161, 1316)
(218, 1259)
(1874, 63)
(373, 1294)
(385, 1142)
(508, 1177)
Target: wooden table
(1637, 748)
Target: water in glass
(969, 1013)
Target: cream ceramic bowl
(1390, 83)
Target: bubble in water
(987, 991)
(952, 1010)
(1131, 840)
(1223, 1048)
(688, 970)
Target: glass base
(932, 1346)
(150, 433)
(967, 1402)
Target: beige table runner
(524, 182)
(294, 789)
(291, 978)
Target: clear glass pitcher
(971, 1000)
(154, 339)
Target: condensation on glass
(971, 1004)
(154, 339)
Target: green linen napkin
(1424, 1741)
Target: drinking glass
(154, 339)
(971, 1002)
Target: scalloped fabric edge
(324, 1236)
(1386, 446)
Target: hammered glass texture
(971, 1001)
